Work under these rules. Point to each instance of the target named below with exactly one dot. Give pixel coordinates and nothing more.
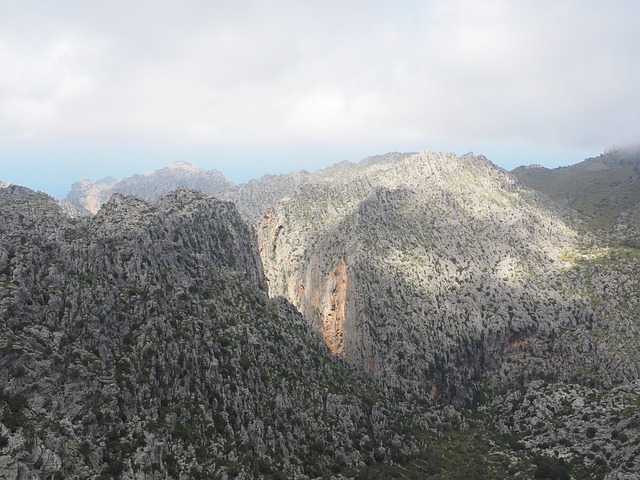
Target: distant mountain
(605, 190)
(252, 198)
(87, 196)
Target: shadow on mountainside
(441, 306)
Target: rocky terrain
(141, 343)
(564, 422)
(408, 316)
(436, 273)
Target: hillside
(437, 274)
(605, 190)
(408, 316)
(141, 343)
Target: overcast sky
(89, 89)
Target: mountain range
(412, 315)
(604, 190)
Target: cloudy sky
(89, 89)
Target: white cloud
(254, 72)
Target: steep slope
(438, 274)
(141, 343)
(604, 190)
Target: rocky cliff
(437, 273)
(141, 343)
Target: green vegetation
(600, 188)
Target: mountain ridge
(605, 190)
(133, 337)
(383, 217)
(455, 324)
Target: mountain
(87, 196)
(439, 274)
(141, 343)
(407, 316)
(604, 190)
(252, 198)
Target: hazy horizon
(57, 178)
(113, 88)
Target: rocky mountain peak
(25, 207)
(182, 165)
(87, 196)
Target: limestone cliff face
(454, 274)
(333, 314)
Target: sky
(91, 89)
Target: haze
(89, 89)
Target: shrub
(551, 469)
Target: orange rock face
(333, 315)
